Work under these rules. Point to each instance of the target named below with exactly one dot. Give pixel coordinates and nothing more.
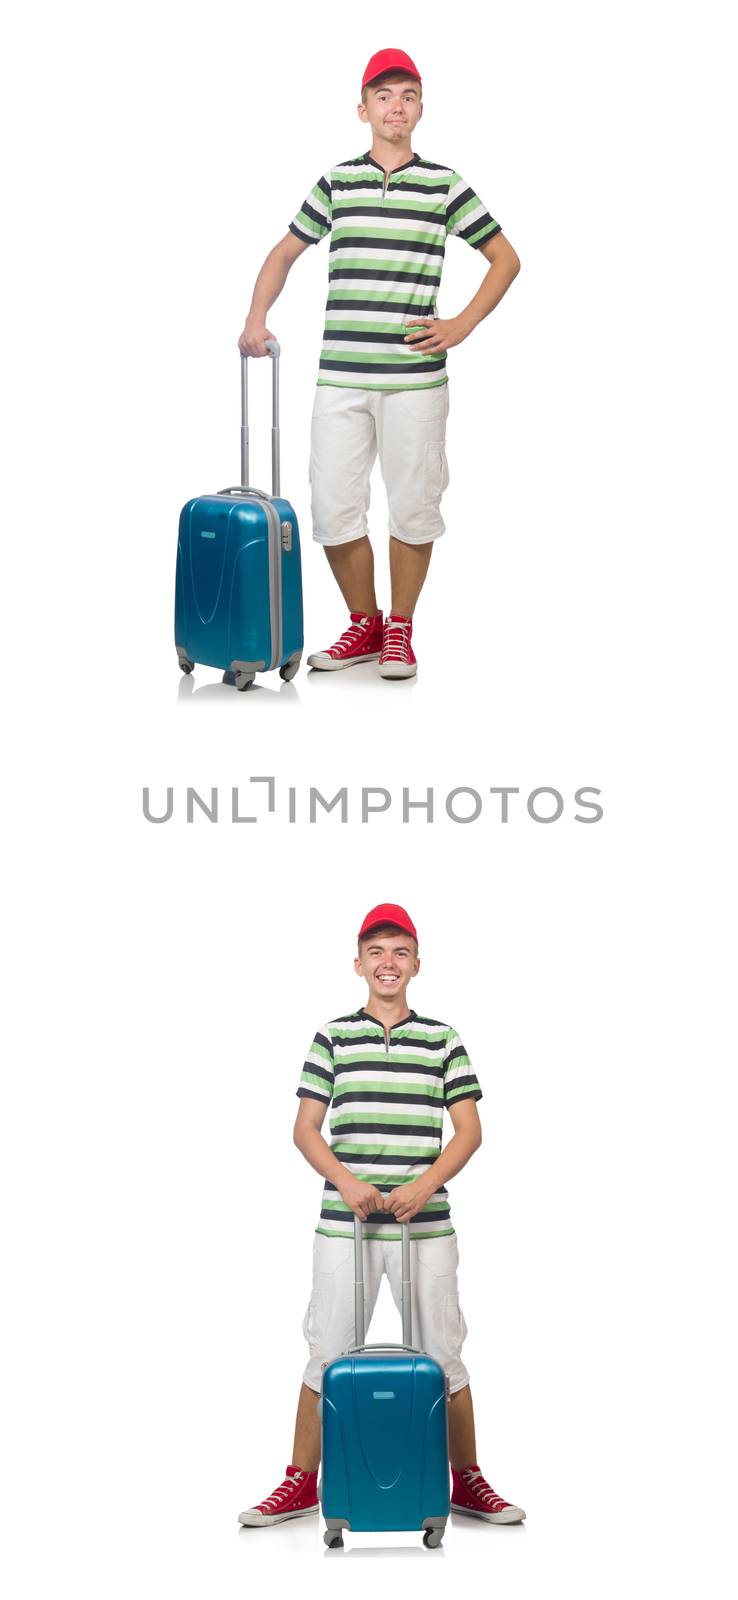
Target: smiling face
(387, 960)
(393, 107)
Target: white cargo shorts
(407, 428)
(438, 1321)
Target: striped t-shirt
(387, 1100)
(386, 257)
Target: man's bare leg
(462, 1443)
(352, 566)
(462, 1440)
(408, 568)
(306, 1448)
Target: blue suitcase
(384, 1426)
(238, 599)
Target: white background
(165, 981)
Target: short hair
(392, 72)
(386, 927)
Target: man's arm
(467, 1137)
(441, 333)
(269, 285)
(362, 1197)
(504, 266)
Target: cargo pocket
(435, 472)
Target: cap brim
(397, 926)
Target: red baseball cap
(387, 916)
(384, 61)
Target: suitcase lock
(286, 535)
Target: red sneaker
(362, 641)
(397, 659)
(472, 1495)
(297, 1496)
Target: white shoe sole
(398, 671)
(512, 1514)
(323, 663)
(256, 1519)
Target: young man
(382, 384)
(388, 1075)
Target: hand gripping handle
(274, 349)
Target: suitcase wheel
(432, 1538)
(243, 679)
(186, 664)
(289, 670)
(332, 1539)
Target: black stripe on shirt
(346, 1096)
(405, 1041)
(363, 241)
(387, 1217)
(366, 1126)
(386, 1188)
(405, 213)
(458, 205)
(436, 191)
(396, 274)
(380, 1063)
(381, 366)
(401, 307)
(307, 238)
(314, 215)
(455, 1053)
(474, 228)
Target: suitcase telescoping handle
(407, 1316)
(274, 350)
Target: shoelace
(282, 1490)
(396, 641)
(352, 636)
(482, 1489)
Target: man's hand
(436, 334)
(251, 342)
(408, 1199)
(363, 1198)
